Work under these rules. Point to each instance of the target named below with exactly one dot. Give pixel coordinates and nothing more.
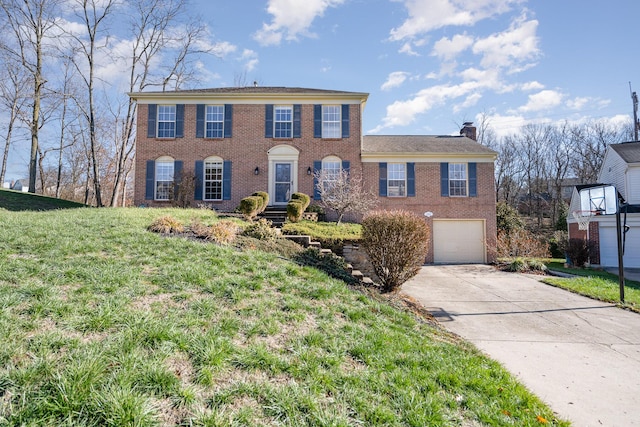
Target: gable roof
(628, 151)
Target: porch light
(256, 171)
(309, 170)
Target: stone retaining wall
(358, 258)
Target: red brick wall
(428, 198)
(594, 238)
(246, 149)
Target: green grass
(597, 284)
(18, 201)
(324, 230)
(103, 323)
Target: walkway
(581, 356)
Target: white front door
(283, 183)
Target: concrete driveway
(581, 356)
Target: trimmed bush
(166, 224)
(295, 209)
(397, 244)
(265, 199)
(302, 198)
(250, 206)
(261, 230)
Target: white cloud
(511, 48)
(395, 79)
(529, 86)
(291, 18)
(503, 125)
(403, 113)
(223, 49)
(469, 102)
(580, 103)
(408, 49)
(448, 49)
(542, 100)
(428, 15)
(250, 59)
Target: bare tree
(558, 164)
(93, 15)
(153, 25)
(30, 23)
(13, 98)
(589, 142)
(508, 171)
(343, 193)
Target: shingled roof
(248, 91)
(629, 151)
(423, 144)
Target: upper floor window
(213, 178)
(396, 180)
(215, 121)
(458, 179)
(164, 174)
(166, 121)
(331, 119)
(283, 122)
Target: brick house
(236, 141)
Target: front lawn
(596, 284)
(103, 323)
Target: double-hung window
(213, 179)
(458, 179)
(331, 119)
(214, 121)
(283, 122)
(166, 121)
(331, 170)
(396, 180)
(164, 178)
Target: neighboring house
(235, 141)
(21, 185)
(621, 168)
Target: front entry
(283, 182)
(283, 174)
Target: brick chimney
(468, 130)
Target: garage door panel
(609, 247)
(458, 241)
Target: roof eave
(376, 156)
(193, 96)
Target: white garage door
(458, 241)
(609, 247)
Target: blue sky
(429, 65)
